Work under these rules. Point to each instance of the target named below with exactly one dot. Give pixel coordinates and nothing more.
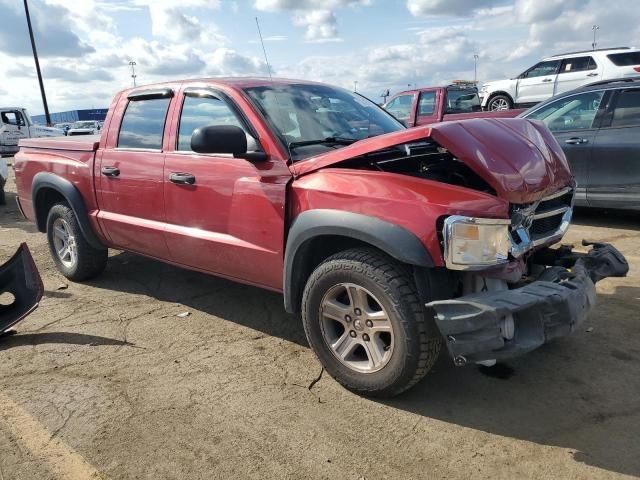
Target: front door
(614, 172)
(537, 83)
(224, 215)
(129, 176)
(15, 127)
(573, 121)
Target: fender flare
(392, 239)
(73, 197)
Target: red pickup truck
(428, 105)
(390, 242)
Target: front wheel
(73, 255)
(365, 322)
(499, 102)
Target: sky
(85, 46)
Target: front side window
(202, 112)
(576, 112)
(426, 104)
(627, 111)
(12, 118)
(542, 69)
(400, 107)
(143, 124)
(311, 119)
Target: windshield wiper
(323, 141)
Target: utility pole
(475, 68)
(595, 29)
(35, 57)
(355, 85)
(133, 72)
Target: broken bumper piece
(499, 325)
(20, 288)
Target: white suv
(559, 74)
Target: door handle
(547, 80)
(576, 141)
(181, 178)
(592, 74)
(110, 171)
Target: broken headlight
(475, 243)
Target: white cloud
(449, 7)
(319, 24)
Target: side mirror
(228, 139)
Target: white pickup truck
(15, 124)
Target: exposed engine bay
(425, 160)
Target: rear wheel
(365, 322)
(72, 254)
(499, 102)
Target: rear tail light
(637, 69)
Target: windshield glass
(315, 113)
(462, 101)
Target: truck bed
(79, 143)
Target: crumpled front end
(20, 288)
(494, 325)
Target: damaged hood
(519, 158)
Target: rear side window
(628, 59)
(627, 111)
(427, 103)
(577, 64)
(202, 112)
(143, 124)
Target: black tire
(496, 100)
(3, 199)
(89, 261)
(417, 341)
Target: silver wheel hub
(356, 328)
(64, 243)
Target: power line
(35, 58)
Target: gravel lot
(104, 380)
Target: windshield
(83, 125)
(463, 101)
(311, 119)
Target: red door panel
(230, 221)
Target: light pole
(35, 58)
(475, 68)
(595, 29)
(355, 85)
(133, 72)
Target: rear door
(574, 120)
(428, 107)
(537, 83)
(228, 218)
(576, 72)
(129, 178)
(614, 173)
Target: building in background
(73, 116)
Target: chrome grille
(542, 221)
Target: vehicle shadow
(68, 338)
(600, 217)
(251, 307)
(579, 393)
(10, 216)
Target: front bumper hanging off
(498, 325)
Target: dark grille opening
(545, 226)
